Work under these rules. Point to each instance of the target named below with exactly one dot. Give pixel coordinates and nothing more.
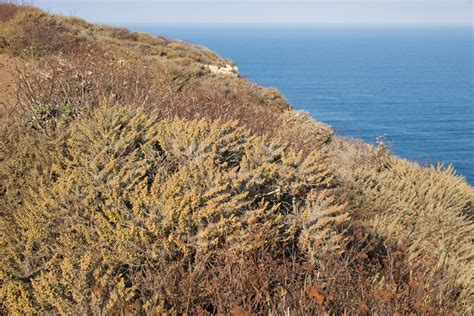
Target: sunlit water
(414, 85)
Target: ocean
(412, 85)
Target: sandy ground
(7, 81)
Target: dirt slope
(7, 83)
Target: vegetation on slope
(133, 180)
(129, 195)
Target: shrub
(88, 79)
(303, 132)
(119, 212)
(33, 33)
(429, 211)
(8, 10)
(83, 81)
(130, 192)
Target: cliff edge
(142, 175)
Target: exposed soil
(7, 80)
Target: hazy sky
(405, 12)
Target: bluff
(142, 175)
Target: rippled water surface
(414, 85)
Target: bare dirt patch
(7, 80)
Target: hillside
(142, 175)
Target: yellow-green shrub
(427, 209)
(305, 133)
(130, 195)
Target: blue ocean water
(414, 85)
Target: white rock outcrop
(226, 70)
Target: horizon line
(284, 23)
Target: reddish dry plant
(8, 10)
(368, 278)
